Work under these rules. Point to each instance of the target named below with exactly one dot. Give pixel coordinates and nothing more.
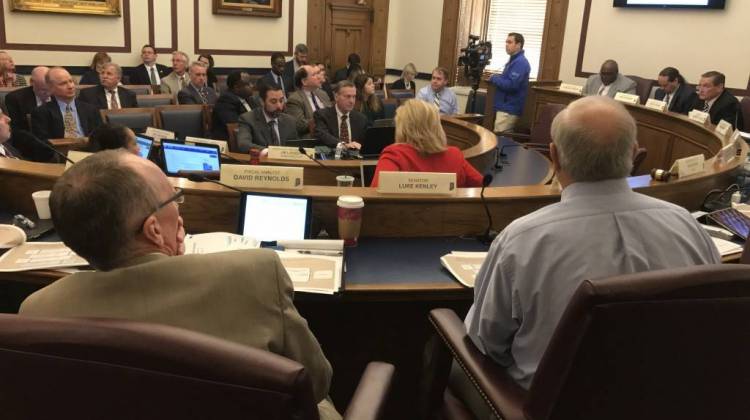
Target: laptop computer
(181, 159)
(145, 143)
(275, 217)
(367, 172)
(377, 139)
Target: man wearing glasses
(121, 213)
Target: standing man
(307, 98)
(231, 104)
(609, 81)
(197, 91)
(108, 94)
(277, 75)
(716, 101)
(600, 228)
(266, 125)
(178, 78)
(299, 60)
(438, 92)
(341, 123)
(21, 102)
(674, 91)
(149, 72)
(512, 85)
(64, 116)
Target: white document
(40, 256)
(464, 266)
(726, 247)
(209, 243)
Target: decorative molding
(4, 44)
(151, 26)
(199, 50)
(448, 56)
(552, 39)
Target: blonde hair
(418, 124)
(410, 68)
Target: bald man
(21, 102)
(600, 228)
(307, 98)
(608, 81)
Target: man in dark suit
(714, 99)
(197, 91)
(21, 102)
(267, 125)
(674, 91)
(6, 150)
(341, 123)
(64, 116)
(109, 95)
(277, 75)
(150, 72)
(343, 74)
(233, 103)
(299, 60)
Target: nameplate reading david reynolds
(254, 176)
(417, 183)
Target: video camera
(476, 56)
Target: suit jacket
(19, 103)
(399, 84)
(289, 73)
(298, 106)
(340, 74)
(682, 100)
(269, 78)
(621, 84)
(90, 77)
(227, 110)
(726, 107)
(47, 120)
(97, 97)
(11, 150)
(140, 76)
(327, 127)
(254, 131)
(241, 296)
(169, 83)
(189, 95)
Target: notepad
(464, 266)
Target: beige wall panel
(414, 34)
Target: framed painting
(263, 8)
(78, 7)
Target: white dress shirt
(156, 72)
(597, 230)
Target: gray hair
(300, 49)
(187, 59)
(117, 68)
(595, 137)
(197, 64)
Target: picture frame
(77, 7)
(260, 8)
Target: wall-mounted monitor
(672, 4)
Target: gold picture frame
(262, 8)
(78, 7)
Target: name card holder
(690, 165)
(157, 134)
(727, 153)
(432, 183)
(289, 153)
(223, 145)
(567, 87)
(656, 105)
(736, 136)
(698, 116)
(76, 156)
(263, 177)
(723, 129)
(627, 98)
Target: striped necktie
(706, 106)
(113, 103)
(436, 101)
(152, 76)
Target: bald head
(39, 82)
(61, 84)
(608, 72)
(311, 81)
(594, 139)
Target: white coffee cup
(41, 201)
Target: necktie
(114, 103)
(153, 76)
(315, 101)
(7, 153)
(69, 121)
(274, 134)
(601, 90)
(245, 105)
(281, 84)
(344, 130)
(706, 106)
(436, 101)
(204, 94)
(666, 99)
(180, 82)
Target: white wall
(414, 28)
(645, 41)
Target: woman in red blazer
(421, 146)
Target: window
(522, 16)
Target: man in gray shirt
(600, 228)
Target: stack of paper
(463, 265)
(208, 243)
(726, 247)
(40, 256)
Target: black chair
(152, 101)
(137, 119)
(139, 89)
(745, 110)
(400, 94)
(642, 87)
(184, 120)
(480, 100)
(389, 108)
(117, 369)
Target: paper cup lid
(41, 194)
(350, 202)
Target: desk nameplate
(256, 176)
(698, 116)
(417, 183)
(627, 98)
(656, 105)
(723, 129)
(289, 153)
(223, 145)
(689, 166)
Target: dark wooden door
(348, 30)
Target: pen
(327, 253)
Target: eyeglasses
(178, 198)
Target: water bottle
(339, 150)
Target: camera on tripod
(476, 56)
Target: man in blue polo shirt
(511, 85)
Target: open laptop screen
(145, 145)
(274, 217)
(189, 157)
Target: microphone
(489, 235)
(45, 144)
(230, 158)
(501, 154)
(196, 177)
(326, 167)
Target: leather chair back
(117, 369)
(139, 89)
(642, 87)
(660, 344)
(745, 109)
(638, 159)
(479, 104)
(389, 107)
(152, 101)
(541, 130)
(184, 120)
(400, 94)
(137, 119)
